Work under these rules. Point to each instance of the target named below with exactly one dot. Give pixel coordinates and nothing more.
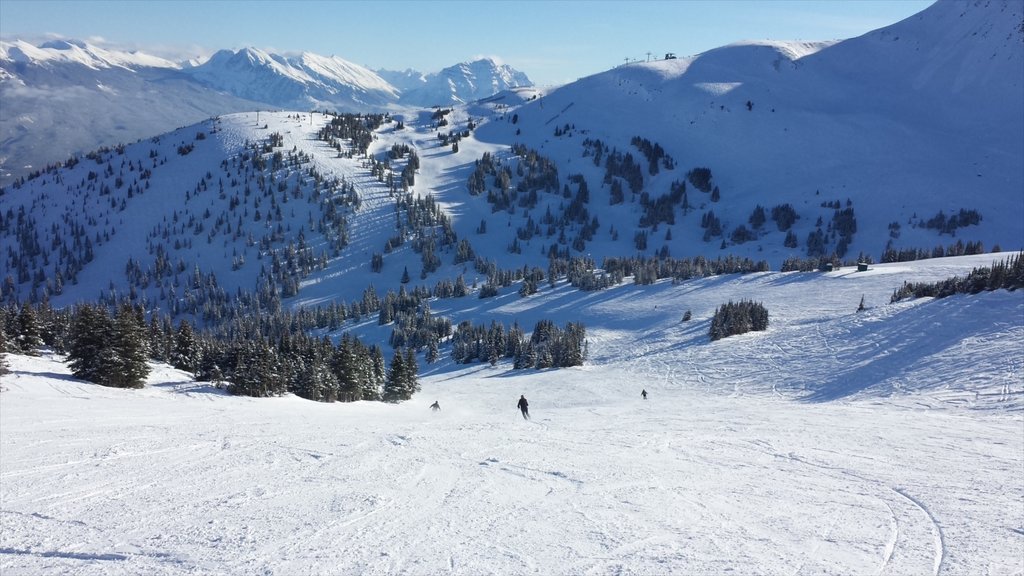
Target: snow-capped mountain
(64, 97)
(68, 97)
(403, 80)
(57, 52)
(295, 82)
(459, 84)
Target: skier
(644, 394)
(524, 406)
(435, 406)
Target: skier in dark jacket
(435, 406)
(525, 407)
(644, 394)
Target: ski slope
(889, 441)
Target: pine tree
(433, 351)
(411, 372)
(91, 330)
(130, 351)
(4, 366)
(346, 369)
(401, 381)
(28, 337)
(378, 374)
(394, 387)
(156, 340)
(186, 350)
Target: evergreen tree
(411, 372)
(130, 351)
(186, 354)
(4, 366)
(88, 351)
(394, 387)
(401, 381)
(433, 351)
(345, 366)
(378, 374)
(28, 338)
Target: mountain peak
(65, 44)
(460, 83)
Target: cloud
(496, 59)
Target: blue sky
(552, 41)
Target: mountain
(921, 117)
(66, 97)
(300, 82)
(459, 84)
(403, 80)
(755, 155)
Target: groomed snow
(889, 441)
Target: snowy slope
(885, 442)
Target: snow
(889, 441)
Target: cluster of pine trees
(263, 357)
(106, 349)
(547, 347)
(734, 318)
(650, 270)
(356, 129)
(948, 224)
(959, 248)
(1008, 275)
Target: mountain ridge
(67, 96)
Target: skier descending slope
(524, 406)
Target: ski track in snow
(165, 481)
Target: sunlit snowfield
(889, 441)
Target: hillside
(924, 116)
(836, 442)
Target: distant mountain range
(67, 96)
(459, 84)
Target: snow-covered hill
(926, 115)
(837, 442)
